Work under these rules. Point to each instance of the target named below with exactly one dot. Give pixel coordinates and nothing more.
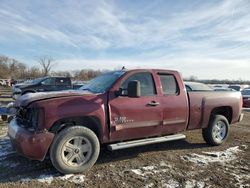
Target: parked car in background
(246, 97)
(224, 89)
(55, 83)
(220, 85)
(235, 87)
(196, 86)
(4, 82)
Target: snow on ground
(74, 178)
(194, 183)
(212, 157)
(45, 179)
(3, 132)
(148, 170)
(49, 178)
(5, 148)
(166, 182)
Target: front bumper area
(31, 144)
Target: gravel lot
(188, 163)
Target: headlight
(28, 117)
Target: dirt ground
(187, 163)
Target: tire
(217, 131)
(74, 150)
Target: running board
(142, 142)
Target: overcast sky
(208, 39)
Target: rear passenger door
(63, 84)
(174, 103)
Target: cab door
(136, 117)
(175, 104)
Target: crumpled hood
(26, 99)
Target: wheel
(217, 131)
(74, 150)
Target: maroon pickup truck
(120, 109)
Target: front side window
(169, 84)
(146, 83)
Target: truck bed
(203, 104)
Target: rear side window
(169, 84)
(146, 82)
(48, 82)
(63, 81)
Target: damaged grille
(27, 117)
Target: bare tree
(46, 64)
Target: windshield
(246, 92)
(103, 82)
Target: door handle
(153, 103)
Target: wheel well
(90, 122)
(226, 111)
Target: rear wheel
(217, 131)
(74, 150)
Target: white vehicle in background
(4, 82)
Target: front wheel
(74, 150)
(217, 131)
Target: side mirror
(134, 89)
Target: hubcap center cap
(77, 150)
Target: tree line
(11, 68)
(217, 81)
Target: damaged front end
(25, 136)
